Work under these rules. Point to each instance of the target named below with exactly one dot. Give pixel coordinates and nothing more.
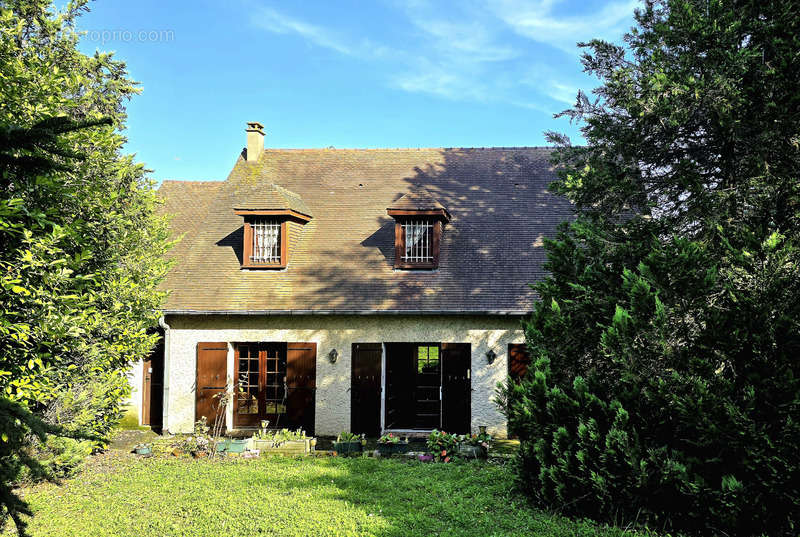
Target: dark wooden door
(456, 387)
(301, 384)
(212, 360)
(153, 387)
(518, 360)
(427, 387)
(400, 381)
(365, 389)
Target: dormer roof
(257, 198)
(418, 201)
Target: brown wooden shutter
(365, 389)
(518, 360)
(437, 236)
(301, 382)
(212, 367)
(456, 387)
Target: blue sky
(418, 73)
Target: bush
(443, 446)
(685, 453)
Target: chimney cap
(255, 126)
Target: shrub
(443, 446)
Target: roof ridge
(490, 148)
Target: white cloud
(279, 23)
(535, 20)
(474, 51)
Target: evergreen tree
(665, 384)
(80, 244)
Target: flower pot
(347, 448)
(177, 452)
(143, 450)
(390, 449)
(199, 454)
(472, 452)
(288, 447)
(232, 445)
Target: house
(366, 290)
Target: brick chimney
(255, 140)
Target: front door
(276, 382)
(428, 386)
(260, 384)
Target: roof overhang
(273, 212)
(507, 313)
(409, 213)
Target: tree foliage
(80, 244)
(665, 382)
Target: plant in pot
(283, 442)
(390, 444)
(347, 443)
(475, 446)
(443, 446)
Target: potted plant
(142, 449)
(443, 446)
(347, 443)
(232, 445)
(389, 444)
(475, 446)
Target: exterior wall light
(490, 356)
(333, 356)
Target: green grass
(126, 496)
(130, 419)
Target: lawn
(118, 494)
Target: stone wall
(337, 332)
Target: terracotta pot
(199, 454)
(177, 452)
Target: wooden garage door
(212, 367)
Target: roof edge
(510, 313)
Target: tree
(80, 244)
(664, 387)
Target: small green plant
(442, 445)
(278, 437)
(483, 440)
(390, 438)
(345, 436)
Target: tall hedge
(665, 381)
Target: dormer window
(418, 241)
(271, 214)
(418, 229)
(264, 242)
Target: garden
(119, 493)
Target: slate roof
(343, 260)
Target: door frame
(415, 344)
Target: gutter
(510, 313)
(165, 382)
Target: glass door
(427, 389)
(260, 384)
